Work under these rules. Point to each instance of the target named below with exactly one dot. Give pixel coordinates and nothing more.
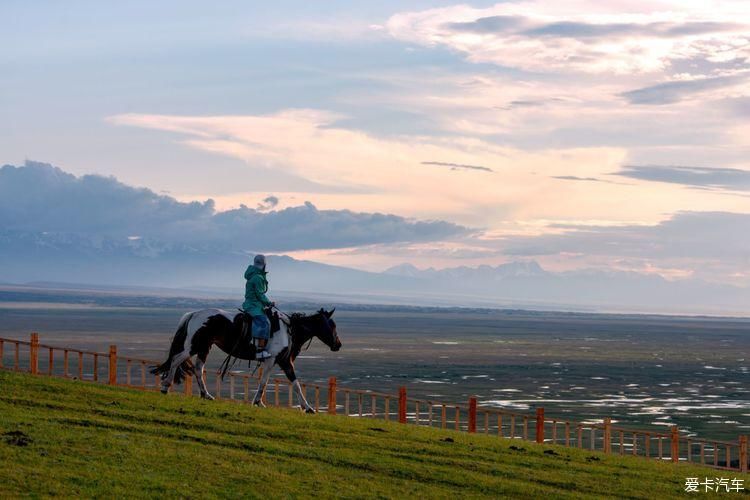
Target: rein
(293, 330)
(288, 318)
(228, 363)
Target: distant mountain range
(70, 258)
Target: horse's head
(324, 327)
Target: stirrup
(262, 355)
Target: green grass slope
(70, 438)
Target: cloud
(671, 92)
(714, 245)
(523, 188)
(705, 177)
(40, 198)
(458, 166)
(527, 26)
(581, 36)
(684, 235)
(268, 203)
(306, 226)
(571, 29)
(388, 170)
(575, 178)
(530, 103)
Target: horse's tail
(177, 346)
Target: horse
(199, 330)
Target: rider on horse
(255, 302)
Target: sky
(580, 134)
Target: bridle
(288, 320)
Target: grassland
(69, 438)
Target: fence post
(402, 405)
(540, 425)
(607, 435)
(743, 453)
(332, 395)
(473, 414)
(675, 454)
(34, 353)
(113, 365)
(188, 385)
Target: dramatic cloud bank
(44, 199)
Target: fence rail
(113, 369)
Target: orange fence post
(34, 353)
(607, 435)
(113, 365)
(402, 405)
(743, 453)
(472, 414)
(188, 385)
(676, 445)
(332, 395)
(540, 425)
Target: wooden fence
(113, 369)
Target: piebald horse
(198, 331)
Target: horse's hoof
(310, 410)
(207, 396)
(259, 404)
(164, 390)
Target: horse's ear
(330, 313)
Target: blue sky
(609, 133)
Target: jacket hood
(252, 270)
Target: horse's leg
(287, 365)
(263, 382)
(200, 374)
(177, 360)
(301, 398)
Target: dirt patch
(447, 440)
(551, 452)
(16, 438)
(516, 448)
(377, 429)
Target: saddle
(244, 346)
(243, 323)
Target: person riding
(255, 302)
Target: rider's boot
(262, 354)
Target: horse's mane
(300, 316)
(297, 316)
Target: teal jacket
(255, 291)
